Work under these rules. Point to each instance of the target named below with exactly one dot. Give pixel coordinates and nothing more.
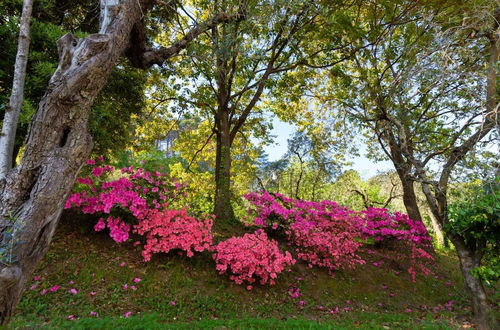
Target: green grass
(204, 299)
(369, 321)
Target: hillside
(173, 289)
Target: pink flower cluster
(136, 191)
(145, 197)
(323, 233)
(173, 229)
(380, 224)
(251, 257)
(327, 235)
(118, 230)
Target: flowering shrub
(174, 229)
(323, 233)
(382, 225)
(135, 192)
(143, 198)
(251, 257)
(118, 230)
(328, 235)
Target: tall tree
(427, 111)
(9, 126)
(33, 193)
(234, 65)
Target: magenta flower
(43, 292)
(33, 287)
(73, 291)
(100, 225)
(133, 287)
(127, 314)
(172, 303)
(36, 278)
(333, 310)
(136, 280)
(70, 317)
(249, 287)
(294, 292)
(54, 288)
(94, 314)
(125, 286)
(122, 264)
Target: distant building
(167, 143)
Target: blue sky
(282, 131)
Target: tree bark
(441, 240)
(32, 195)
(480, 305)
(410, 200)
(8, 135)
(223, 209)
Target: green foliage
(111, 122)
(475, 216)
(151, 160)
(123, 97)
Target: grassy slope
(93, 262)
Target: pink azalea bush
(143, 199)
(327, 235)
(382, 225)
(251, 257)
(323, 233)
(136, 192)
(173, 229)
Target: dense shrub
(382, 225)
(475, 216)
(143, 202)
(250, 258)
(327, 235)
(173, 229)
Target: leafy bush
(251, 257)
(323, 233)
(476, 217)
(143, 201)
(327, 235)
(173, 229)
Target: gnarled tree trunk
(32, 195)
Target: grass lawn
(179, 292)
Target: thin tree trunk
(32, 195)
(441, 240)
(8, 135)
(480, 305)
(410, 198)
(299, 181)
(223, 209)
(468, 261)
